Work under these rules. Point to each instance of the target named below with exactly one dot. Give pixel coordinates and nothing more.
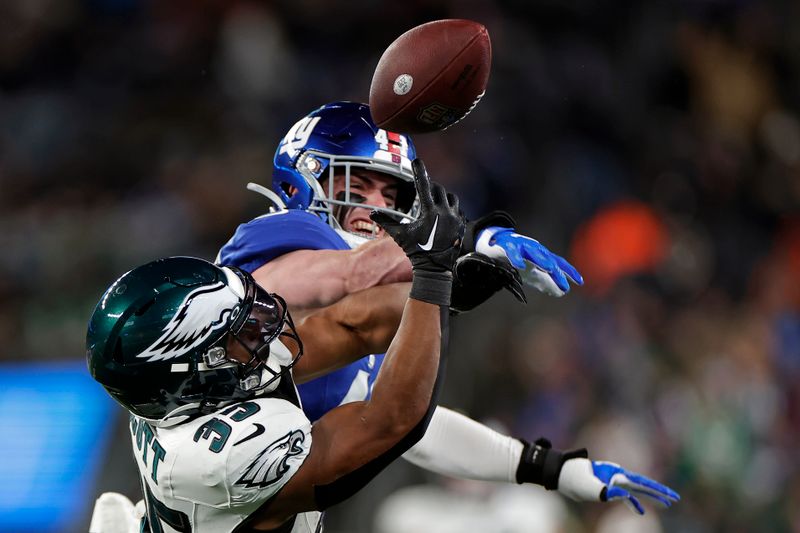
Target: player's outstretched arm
(493, 235)
(356, 435)
(359, 324)
(330, 275)
(457, 446)
(353, 442)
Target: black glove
(477, 277)
(474, 227)
(433, 241)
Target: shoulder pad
(259, 465)
(243, 454)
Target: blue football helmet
(329, 141)
(180, 336)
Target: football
(430, 77)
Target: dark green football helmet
(180, 336)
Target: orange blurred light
(622, 239)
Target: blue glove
(539, 267)
(585, 480)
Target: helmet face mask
(327, 145)
(180, 336)
(252, 347)
(334, 207)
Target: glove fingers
(634, 505)
(663, 501)
(541, 281)
(556, 276)
(618, 493)
(545, 260)
(569, 270)
(514, 286)
(386, 221)
(560, 279)
(423, 184)
(452, 201)
(644, 484)
(438, 193)
(514, 255)
(512, 282)
(485, 273)
(540, 256)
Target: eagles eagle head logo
(271, 464)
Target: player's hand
(433, 241)
(115, 513)
(540, 268)
(585, 480)
(476, 278)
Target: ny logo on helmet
(297, 137)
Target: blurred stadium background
(655, 144)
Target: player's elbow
(402, 416)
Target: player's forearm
(375, 314)
(390, 423)
(335, 273)
(358, 325)
(405, 384)
(457, 446)
(377, 262)
(308, 279)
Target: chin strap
(541, 464)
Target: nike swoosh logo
(259, 430)
(429, 244)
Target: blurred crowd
(654, 144)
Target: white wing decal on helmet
(203, 311)
(271, 464)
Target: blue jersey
(263, 239)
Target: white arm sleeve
(457, 446)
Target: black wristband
(541, 464)
(432, 287)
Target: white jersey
(212, 472)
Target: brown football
(431, 76)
